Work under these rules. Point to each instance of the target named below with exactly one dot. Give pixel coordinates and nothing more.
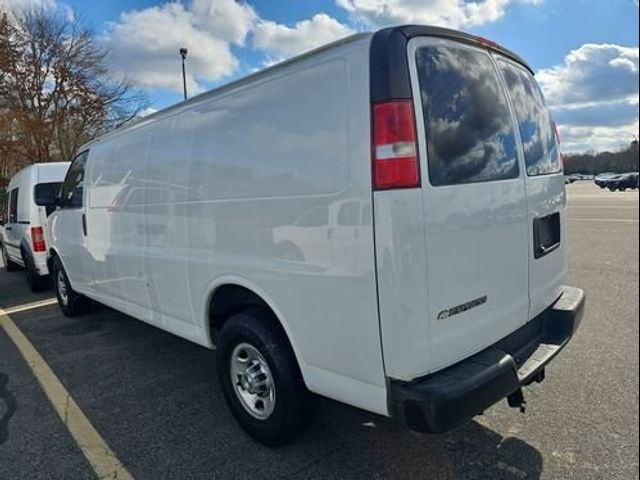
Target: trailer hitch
(516, 400)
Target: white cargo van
(380, 221)
(26, 206)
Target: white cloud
(578, 139)
(591, 73)
(593, 95)
(282, 41)
(145, 112)
(145, 43)
(448, 13)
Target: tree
(57, 90)
(625, 160)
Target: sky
(584, 52)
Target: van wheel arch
(230, 299)
(50, 258)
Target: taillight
(37, 239)
(395, 157)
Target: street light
(183, 55)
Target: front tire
(71, 303)
(261, 380)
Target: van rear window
(538, 138)
(46, 192)
(468, 125)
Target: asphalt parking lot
(154, 400)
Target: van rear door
(546, 198)
(474, 199)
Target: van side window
(72, 188)
(468, 125)
(13, 205)
(538, 138)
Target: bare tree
(57, 90)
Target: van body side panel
(116, 224)
(291, 210)
(269, 182)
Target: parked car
(617, 181)
(26, 206)
(622, 182)
(601, 179)
(570, 179)
(324, 225)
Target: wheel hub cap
(252, 381)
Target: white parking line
(95, 449)
(30, 306)
(614, 220)
(616, 207)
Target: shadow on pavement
(155, 400)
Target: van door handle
(8, 229)
(84, 224)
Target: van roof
(388, 56)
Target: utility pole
(183, 55)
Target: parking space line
(93, 446)
(613, 207)
(30, 306)
(623, 220)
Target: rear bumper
(441, 401)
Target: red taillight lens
(395, 158)
(37, 239)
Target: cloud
(145, 112)
(282, 41)
(617, 113)
(577, 139)
(593, 96)
(448, 13)
(592, 73)
(144, 43)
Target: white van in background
(26, 205)
(380, 221)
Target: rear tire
(34, 280)
(9, 266)
(71, 303)
(261, 380)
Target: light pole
(183, 55)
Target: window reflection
(467, 121)
(538, 138)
